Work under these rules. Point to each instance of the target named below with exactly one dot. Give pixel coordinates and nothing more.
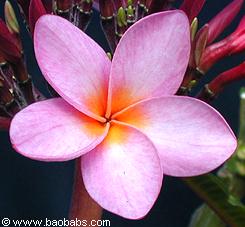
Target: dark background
(33, 189)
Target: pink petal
(192, 8)
(191, 137)
(53, 130)
(123, 174)
(75, 66)
(223, 19)
(150, 59)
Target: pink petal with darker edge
(190, 136)
(150, 59)
(74, 65)
(123, 174)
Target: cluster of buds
(118, 15)
(76, 11)
(18, 91)
(16, 87)
(205, 53)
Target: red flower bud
(36, 10)
(223, 19)
(227, 77)
(9, 45)
(192, 8)
(10, 18)
(233, 44)
(106, 8)
(199, 44)
(238, 44)
(215, 87)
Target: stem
(83, 207)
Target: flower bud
(200, 43)
(194, 27)
(227, 77)
(238, 44)
(36, 10)
(9, 48)
(10, 18)
(121, 17)
(122, 23)
(106, 9)
(233, 44)
(223, 19)
(85, 6)
(192, 8)
(216, 86)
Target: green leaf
(205, 217)
(215, 193)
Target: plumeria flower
(121, 117)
